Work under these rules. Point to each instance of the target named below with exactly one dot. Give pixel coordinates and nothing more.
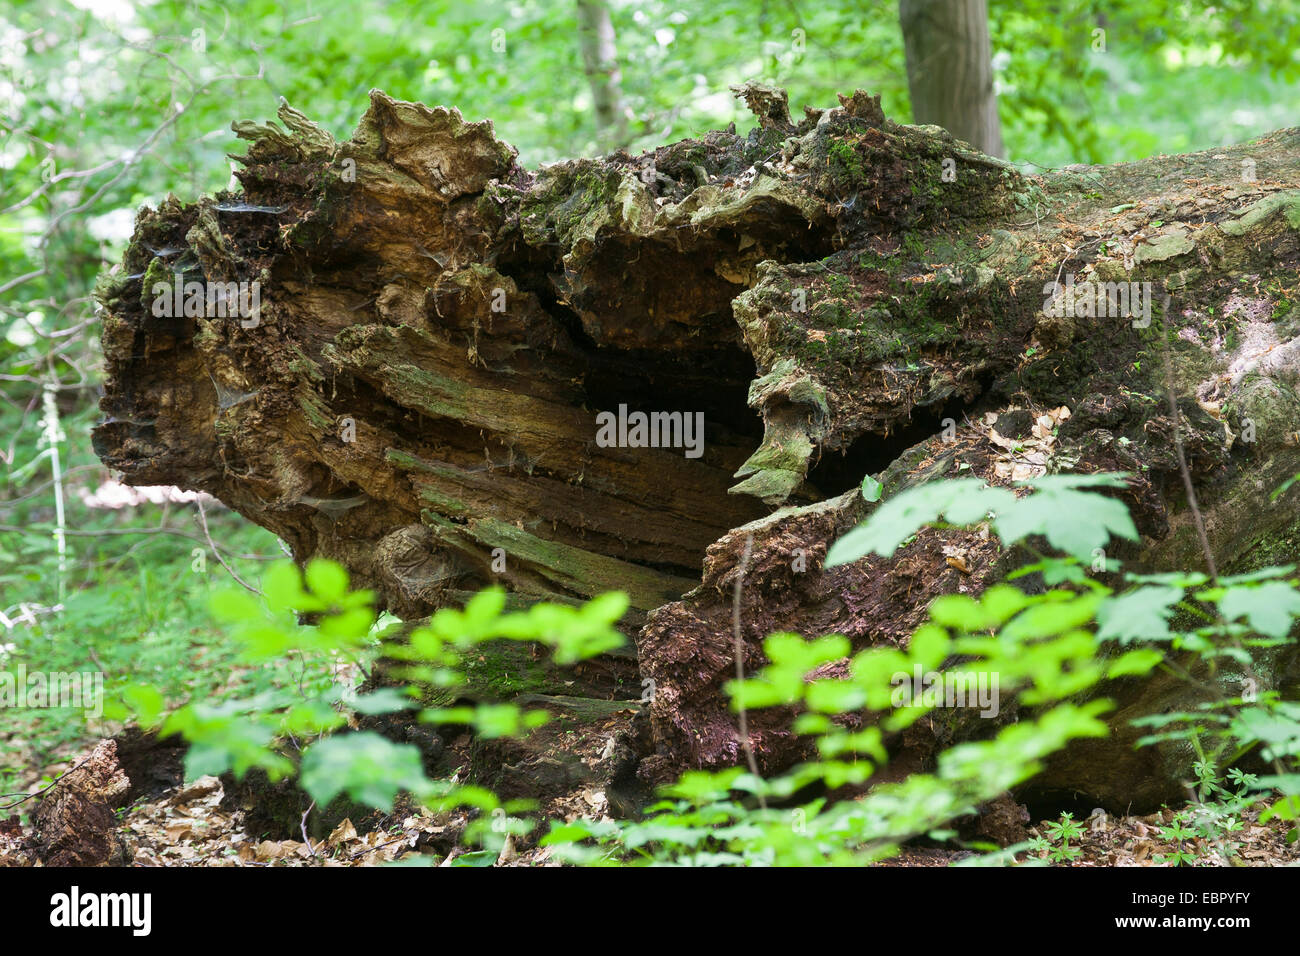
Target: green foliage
(367, 767)
(1070, 519)
(1045, 649)
(1213, 818)
(301, 727)
(1239, 617)
(1178, 832)
(1057, 842)
(1035, 647)
(1044, 654)
(1071, 76)
(133, 610)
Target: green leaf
(606, 608)
(700, 786)
(871, 489)
(1135, 662)
(1141, 614)
(476, 858)
(146, 702)
(327, 579)
(310, 718)
(1277, 729)
(385, 700)
(351, 626)
(791, 650)
(835, 696)
(1050, 618)
(282, 588)
(929, 646)
(235, 605)
(1073, 521)
(1269, 608)
(960, 611)
(904, 514)
(1000, 603)
(367, 767)
(484, 608)
(497, 720)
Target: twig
(400, 839)
(1200, 530)
(1182, 459)
(53, 435)
(203, 520)
(41, 792)
(740, 660)
(303, 826)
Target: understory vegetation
(1064, 622)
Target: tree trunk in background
(440, 327)
(600, 62)
(950, 69)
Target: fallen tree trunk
(419, 395)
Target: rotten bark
(73, 823)
(439, 328)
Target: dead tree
(440, 328)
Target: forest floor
(195, 824)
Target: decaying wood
(73, 822)
(439, 328)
